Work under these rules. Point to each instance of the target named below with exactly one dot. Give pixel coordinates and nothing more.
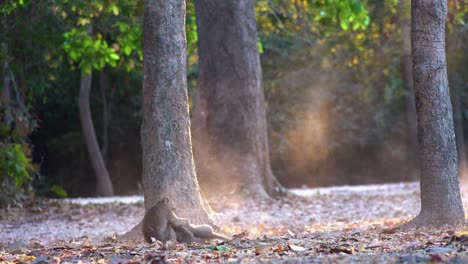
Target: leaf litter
(321, 225)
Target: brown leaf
(342, 250)
(261, 250)
(241, 235)
(390, 231)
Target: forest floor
(321, 225)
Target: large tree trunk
(104, 184)
(440, 191)
(168, 167)
(407, 73)
(231, 147)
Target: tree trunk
(168, 167)
(440, 191)
(232, 143)
(5, 96)
(5, 93)
(104, 183)
(407, 73)
(106, 108)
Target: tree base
(426, 221)
(136, 233)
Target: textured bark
(407, 73)
(231, 133)
(168, 166)
(104, 183)
(440, 191)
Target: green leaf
(127, 50)
(344, 24)
(219, 248)
(115, 10)
(59, 191)
(260, 47)
(114, 56)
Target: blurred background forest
(335, 73)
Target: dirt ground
(322, 225)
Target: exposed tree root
(431, 221)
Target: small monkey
(161, 223)
(188, 233)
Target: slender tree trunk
(6, 92)
(104, 184)
(440, 191)
(407, 73)
(106, 107)
(230, 99)
(168, 166)
(5, 96)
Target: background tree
(104, 183)
(92, 51)
(231, 132)
(440, 191)
(407, 78)
(168, 167)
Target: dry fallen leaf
(297, 248)
(374, 243)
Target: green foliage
(349, 14)
(6, 7)
(130, 38)
(90, 52)
(58, 190)
(102, 33)
(191, 28)
(286, 26)
(14, 164)
(44, 187)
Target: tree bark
(231, 136)
(168, 166)
(104, 183)
(106, 109)
(440, 191)
(407, 73)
